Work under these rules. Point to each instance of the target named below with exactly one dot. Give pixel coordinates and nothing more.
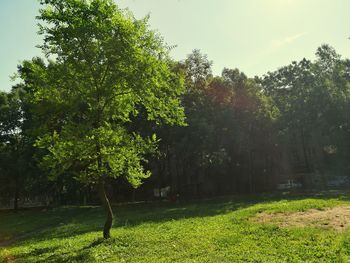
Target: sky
(255, 36)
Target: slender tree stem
(107, 206)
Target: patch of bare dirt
(337, 218)
(10, 259)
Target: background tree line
(242, 135)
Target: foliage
(108, 67)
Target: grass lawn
(220, 230)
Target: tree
(313, 99)
(198, 70)
(13, 145)
(228, 143)
(10, 116)
(106, 68)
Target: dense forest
(107, 101)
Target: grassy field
(220, 230)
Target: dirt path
(337, 218)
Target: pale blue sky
(253, 35)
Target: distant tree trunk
(177, 173)
(84, 198)
(306, 159)
(251, 188)
(107, 206)
(133, 195)
(16, 194)
(161, 169)
(250, 159)
(15, 202)
(320, 165)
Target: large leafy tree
(105, 69)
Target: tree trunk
(107, 206)
(306, 159)
(15, 201)
(16, 194)
(251, 187)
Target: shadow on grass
(84, 254)
(80, 255)
(74, 221)
(70, 222)
(154, 213)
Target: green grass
(208, 231)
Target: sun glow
(282, 3)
